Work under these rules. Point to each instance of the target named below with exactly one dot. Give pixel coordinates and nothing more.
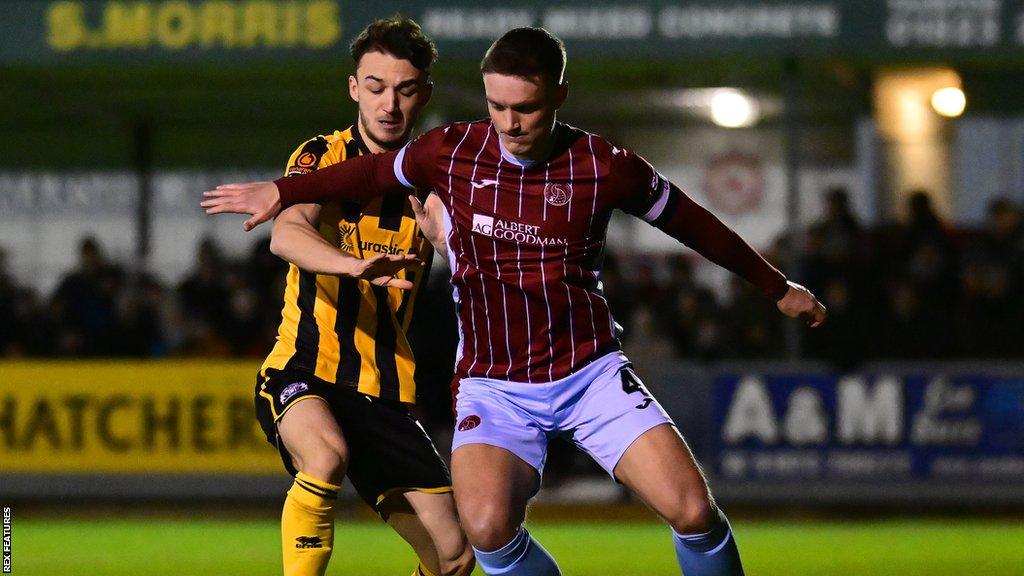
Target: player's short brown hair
(398, 36)
(526, 52)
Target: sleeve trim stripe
(399, 172)
(659, 206)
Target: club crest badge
(558, 194)
(292, 389)
(469, 422)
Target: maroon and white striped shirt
(525, 242)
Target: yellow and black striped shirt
(341, 329)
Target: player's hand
(261, 200)
(428, 217)
(381, 269)
(800, 303)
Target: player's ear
(428, 91)
(353, 88)
(562, 92)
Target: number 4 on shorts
(631, 383)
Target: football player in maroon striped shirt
(524, 203)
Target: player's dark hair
(399, 37)
(526, 52)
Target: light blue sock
(523, 556)
(712, 553)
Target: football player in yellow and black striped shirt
(355, 270)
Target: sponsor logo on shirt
(513, 231)
(483, 183)
(307, 160)
(348, 241)
(345, 240)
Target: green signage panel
(228, 30)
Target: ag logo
(469, 422)
(483, 224)
(306, 160)
(558, 194)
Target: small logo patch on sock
(469, 422)
(292, 389)
(308, 542)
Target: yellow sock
(421, 570)
(307, 526)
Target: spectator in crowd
(202, 295)
(990, 318)
(913, 288)
(691, 317)
(245, 326)
(141, 320)
(266, 276)
(834, 264)
(18, 315)
(84, 305)
(7, 296)
(754, 331)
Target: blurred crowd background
(913, 289)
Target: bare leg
(320, 454)
(492, 489)
(314, 440)
(661, 470)
(429, 524)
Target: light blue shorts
(603, 409)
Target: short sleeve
(641, 189)
(416, 162)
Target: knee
(490, 528)
(459, 564)
(695, 514)
(326, 460)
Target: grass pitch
(200, 547)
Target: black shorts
(389, 452)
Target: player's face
(390, 93)
(523, 112)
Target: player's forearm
(301, 245)
(355, 179)
(440, 246)
(701, 230)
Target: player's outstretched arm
(693, 225)
(356, 179)
(260, 200)
(295, 239)
(799, 302)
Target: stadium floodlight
(731, 108)
(949, 102)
